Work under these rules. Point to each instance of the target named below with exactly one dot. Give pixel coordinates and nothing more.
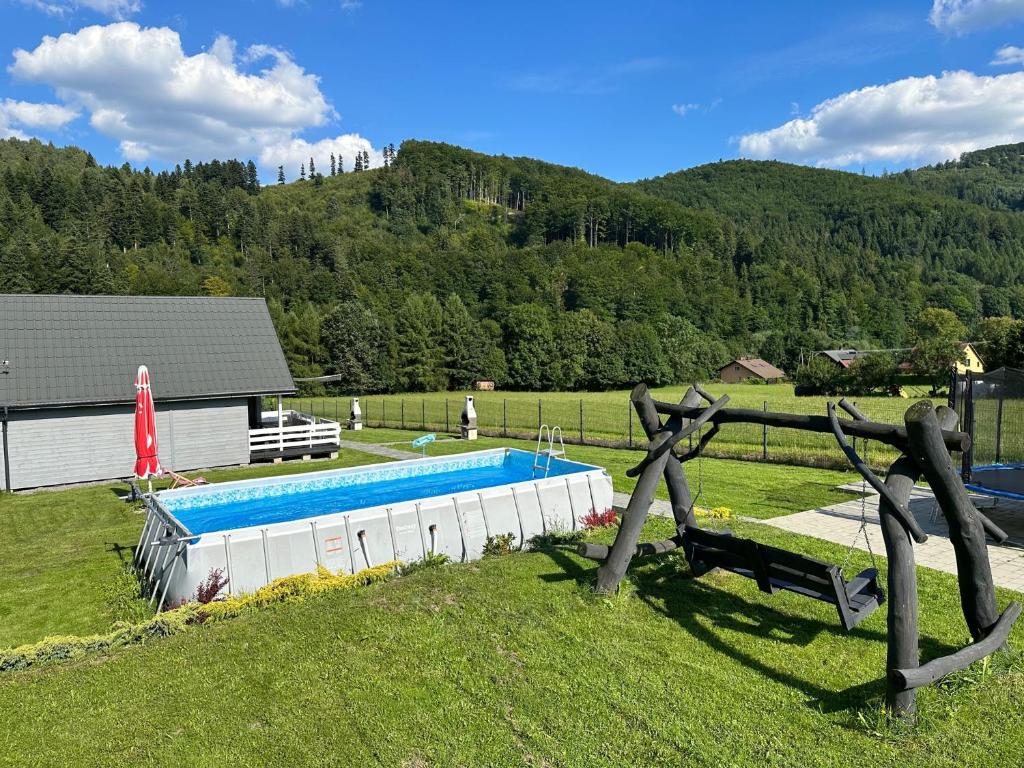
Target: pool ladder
(542, 457)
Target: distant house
(483, 385)
(67, 366)
(841, 357)
(743, 368)
(971, 360)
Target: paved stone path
(379, 450)
(660, 507)
(839, 523)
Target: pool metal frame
(165, 541)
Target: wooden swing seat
(774, 569)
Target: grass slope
(509, 661)
(515, 662)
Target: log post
(678, 486)
(966, 531)
(901, 585)
(611, 572)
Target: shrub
(555, 537)
(211, 586)
(595, 519)
(432, 560)
(498, 545)
(715, 513)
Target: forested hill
(832, 235)
(450, 265)
(991, 177)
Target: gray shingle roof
(68, 350)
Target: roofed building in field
(67, 398)
(744, 368)
(841, 357)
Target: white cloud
(141, 88)
(923, 119)
(115, 9)
(684, 109)
(1008, 55)
(297, 152)
(963, 16)
(33, 115)
(15, 115)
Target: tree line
(565, 280)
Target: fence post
(423, 414)
(504, 417)
(764, 436)
(629, 410)
(581, 420)
(402, 411)
(383, 411)
(336, 409)
(447, 428)
(540, 412)
(999, 430)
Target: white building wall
(53, 446)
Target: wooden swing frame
(925, 442)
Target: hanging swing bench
(925, 442)
(777, 569)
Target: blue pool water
(273, 501)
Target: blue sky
(626, 90)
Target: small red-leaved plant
(595, 519)
(212, 586)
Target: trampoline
(991, 410)
(1005, 481)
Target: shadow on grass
(669, 589)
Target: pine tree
(341, 165)
(333, 165)
(386, 158)
(280, 174)
(252, 179)
(302, 172)
(312, 168)
(359, 162)
(366, 160)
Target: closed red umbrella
(147, 463)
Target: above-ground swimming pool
(350, 519)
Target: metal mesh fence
(604, 421)
(991, 409)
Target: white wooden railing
(310, 433)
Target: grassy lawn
(508, 661)
(514, 662)
(61, 552)
(606, 417)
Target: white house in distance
(67, 366)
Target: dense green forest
(447, 265)
(991, 177)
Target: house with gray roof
(67, 367)
(841, 357)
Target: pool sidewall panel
(255, 556)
